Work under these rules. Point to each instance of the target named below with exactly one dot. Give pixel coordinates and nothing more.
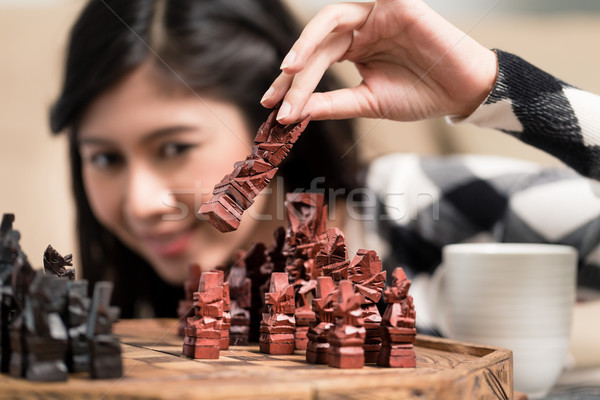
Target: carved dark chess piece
(186, 305)
(39, 338)
(9, 252)
(258, 268)
(278, 325)
(398, 325)
(77, 314)
(347, 336)
(55, 264)
(236, 192)
(240, 288)
(105, 349)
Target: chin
(174, 272)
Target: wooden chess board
(155, 369)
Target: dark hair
(228, 48)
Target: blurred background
(553, 34)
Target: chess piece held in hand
(236, 192)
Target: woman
(160, 98)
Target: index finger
(333, 18)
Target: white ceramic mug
(516, 296)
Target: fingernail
(291, 56)
(284, 110)
(268, 94)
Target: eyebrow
(171, 130)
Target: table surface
(155, 368)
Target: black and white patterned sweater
(426, 203)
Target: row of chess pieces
(49, 326)
(302, 293)
(338, 336)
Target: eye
(174, 149)
(106, 160)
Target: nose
(147, 194)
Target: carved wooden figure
(240, 287)
(202, 333)
(55, 264)
(333, 257)
(318, 346)
(39, 337)
(347, 336)
(105, 348)
(278, 324)
(307, 215)
(185, 308)
(366, 273)
(398, 325)
(9, 251)
(224, 323)
(77, 313)
(236, 192)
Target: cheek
(103, 194)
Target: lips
(170, 245)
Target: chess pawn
(304, 313)
(318, 346)
(202, 333)
(366, 273)
(78, 307)
(240, 287)
(105, 349)
(398, 331)
(41, 332)
(224, 323)
(278, 325)
(347, 336)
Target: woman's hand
(414, 65)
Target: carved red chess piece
(307, 215)
(278, 325)
(224, 324)
(347, 336)
(236, 192)
(398, 325)
(186, 305)
(366, 273)
(318, 346)
(202, 334)
(333, 256)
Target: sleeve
(426, 203)
(543, 111)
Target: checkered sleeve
(543, 111)
(425, 203)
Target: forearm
(545, 112)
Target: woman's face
(150, 158)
